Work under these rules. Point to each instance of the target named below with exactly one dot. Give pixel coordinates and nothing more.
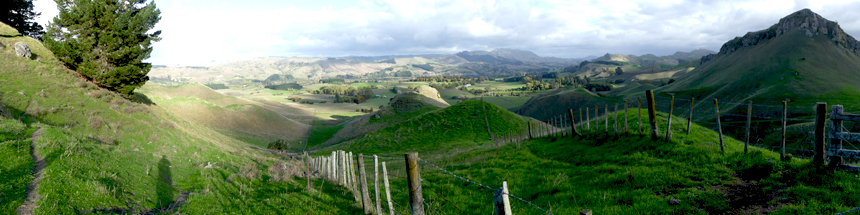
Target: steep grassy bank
(108, 154)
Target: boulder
(22, 50)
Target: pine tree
(105, 40)
(20, 14)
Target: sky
(204, 32)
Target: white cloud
(197, 31)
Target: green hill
(557, 102)
(401, 108)
(457, 126)
(107, 154)
(804, 58)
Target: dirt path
(32, 194)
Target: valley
(739, 131)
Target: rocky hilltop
(806, 21)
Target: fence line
(338, 167)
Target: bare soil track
(32, 193)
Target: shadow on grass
(164, 184)
(13, 182)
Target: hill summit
(803, 58)
(807, 22)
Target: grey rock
(674, 201)
(22, 50)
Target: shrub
(280, 145)
(597, 86)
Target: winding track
(32, 193)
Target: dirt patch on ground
(32, 193)
(748, 197)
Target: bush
(217, 86)
(285, 87)
(280, 145)
(597, 86)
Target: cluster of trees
(362, 110)
(537, 82)
(294, 99)
(20, 15)
(450, 82)
(425, 66)
(216, 86)
(275, 78)
(332, 80)
(105, 40)
(347, 94)
(598, 86)
(403, 73)
(284, 86)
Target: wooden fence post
(308, 169)
(749, 122)
(719, 127)
(820, 117)
(835, 143)
(580, 120)
(615, 126)
(626, 131)
(530, 129)
(587, 120)
(344, 168)
(784, 118)
(502, 201)
(356, 185)
(387, 189)
(652, 114)
(669, 125)
(640, 115)
(690, 120)
(333, 167)
(365, 195)
(376, 184)
(573, 131)
(416, 199)
(606, 122)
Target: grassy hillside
(557, 102)
(233, 116)
(461, 125)
(107, 154)
(791, 66)
(625, 175)
(403, 107)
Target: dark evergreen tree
(20, 15)
(105, 40)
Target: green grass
(108, 154)
(16, 167)
(620, 175)
(321, 133)
(446, 128)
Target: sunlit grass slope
(108, 154)
(461, 125)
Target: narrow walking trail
(32, 193)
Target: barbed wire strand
(484, 186)
(852, 210)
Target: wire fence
(759, 125)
